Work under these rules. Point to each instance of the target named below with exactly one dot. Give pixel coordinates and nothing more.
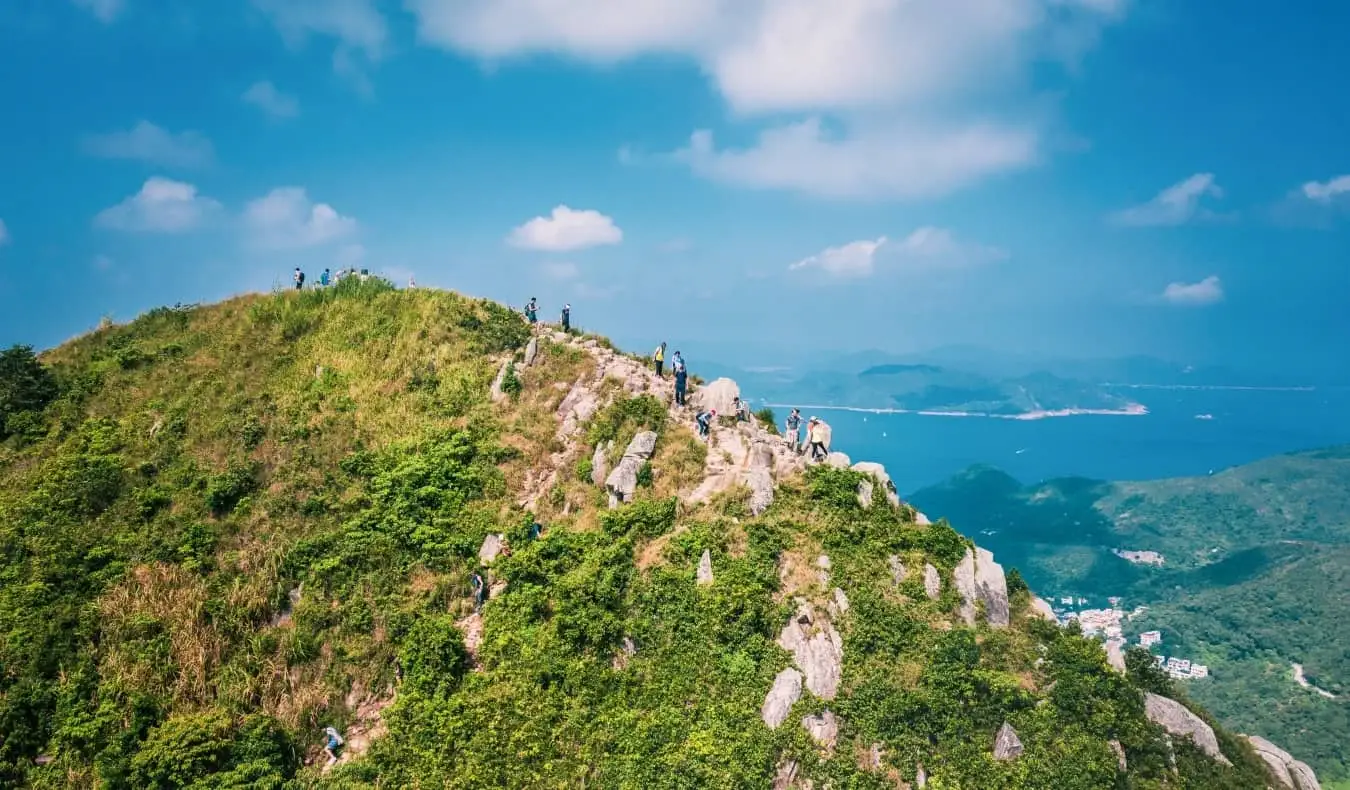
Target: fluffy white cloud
(162, 206)
(4, 234)
(355, 24)
(1207, 291)
(855, 259)
(891, 161)
(265, 96)
(1327, 191)
(147, 142)
(559, 270)
(1176, 205)
(926, 247)
(285, 218)
(104, 10)
(566, 229)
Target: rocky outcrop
(980, 580)
(705, 573)
(622, 482)
(577, 406)
(823, 729)
(816, 648)
(1121, 765)
(531, 351)
(897, 567)
(760, 478)
(720, 395)
(883, 479)
(1178, 720)
(786, 690)
(921, 519)
(865, 494)
(823, 565)
(497, 393)
(785, 778)
(600, 463)
(492, 546)
(932, 582)
(840, 602)
(838, 460)
(626, 652)
(1041, 608)
(1291, 773)
(1007, 746)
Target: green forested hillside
(1256, 577)
(225, 528)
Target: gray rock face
(1007, 746)
(720, 395)
(531, 351)
(1041, 608)
(786, 776)
(578, 406)
(865, 494)
(979, 578)
(1291, 773)
(879, 472)
(816, 648)
(705, 573)
(497, 394)
(760, 478)
(823, 728)
(837, 460)
(897, 567)
(1120, 755)
(921, 519)
(492, 546)
(840, 601)
(1176, 719)
(600, 463)
(622, 482)
(932, 582)
(626, 652)
(786, 690)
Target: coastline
(1130, 410)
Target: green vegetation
(1256, 577)
(225, 528)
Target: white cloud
(4, 234)
(1327, 191)
(359, 29)
(566, 229)
(285, 218)
(161, 206)
(899, 161)
(265, 96)
(1176, 205)
(147, 142)
(1207, 291)
(855, 259)
(104, 10)
(559, 270)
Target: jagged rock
(865, 494)
(823, 570)
(823, 728)
(622, 482)
(1120, 755)
(786, 776)
(879, 472)
(1115, 655)
(817, 649)
(979, 578)
(1294, 775)
(897, 567)
(837, 460)
(760, 478)
(531, 351)
(840, 601)
(600, 463)
(497, 394)
(921, 519)
(498, 587)
(1176, 719)
(578, 406)
(705, 573)
(932, 582)
(1007, 746)
(786, 690)
(1041, 608)
(492, 546)
(720, 395)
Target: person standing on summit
(567, 318)
(681, 378)
(532, 310)
(659, 357)
(299, 278)
(794, 425)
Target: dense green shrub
(433, 657)
(212, 751)
(25, 386)
(225, 490)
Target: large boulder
(720, 395)
(837, 460)
(760, 477)
(865, 494)
(497, 393)
(786, 690)
(622, 482)
(1291, 773)
(600, 463)
(1007, 746)
(705, 573)
(932, 582)
(492, 546)
(980, 579)
(578, 406)
(823, 728)
(1178, 720)
(531, 351)
(879, 472)
(1041, 608)
(817, 649)
(898, 571)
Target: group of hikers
(326, 279)
(531, 311)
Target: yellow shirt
(660, 355)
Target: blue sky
(749, 179)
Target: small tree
(26, 385)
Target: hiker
(659, 357)
(742, 409)
(815, 432)
(681, 379)
(412, 281)
(677, 363)
(567, 318)
(532, 310)
(334, 743)
(299, 278)
(704, 420)
(794, 424)
(324, 278)
(479, 591)
(536, 529)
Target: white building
(1150, 638)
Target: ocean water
(1169, 441)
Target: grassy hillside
(1256, 576)
(224, 528)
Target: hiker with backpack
(742, 409)
(324, 278)
(704, 420)
(815, 432)
(532, 310)
(567, 318)
(681, 379)
(299, 278)
(479, 591)
(659, 357)
(334, 743)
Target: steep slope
(239, 524)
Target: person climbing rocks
(742, 409)
(681, 379)
(532, 310)
(794, 424)
(659, 357)
(815, 433)
(567, 318)
(704, 420)
(479, 591)
(324, 278)
(334, 743)
(299, 278)
(536, 529)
